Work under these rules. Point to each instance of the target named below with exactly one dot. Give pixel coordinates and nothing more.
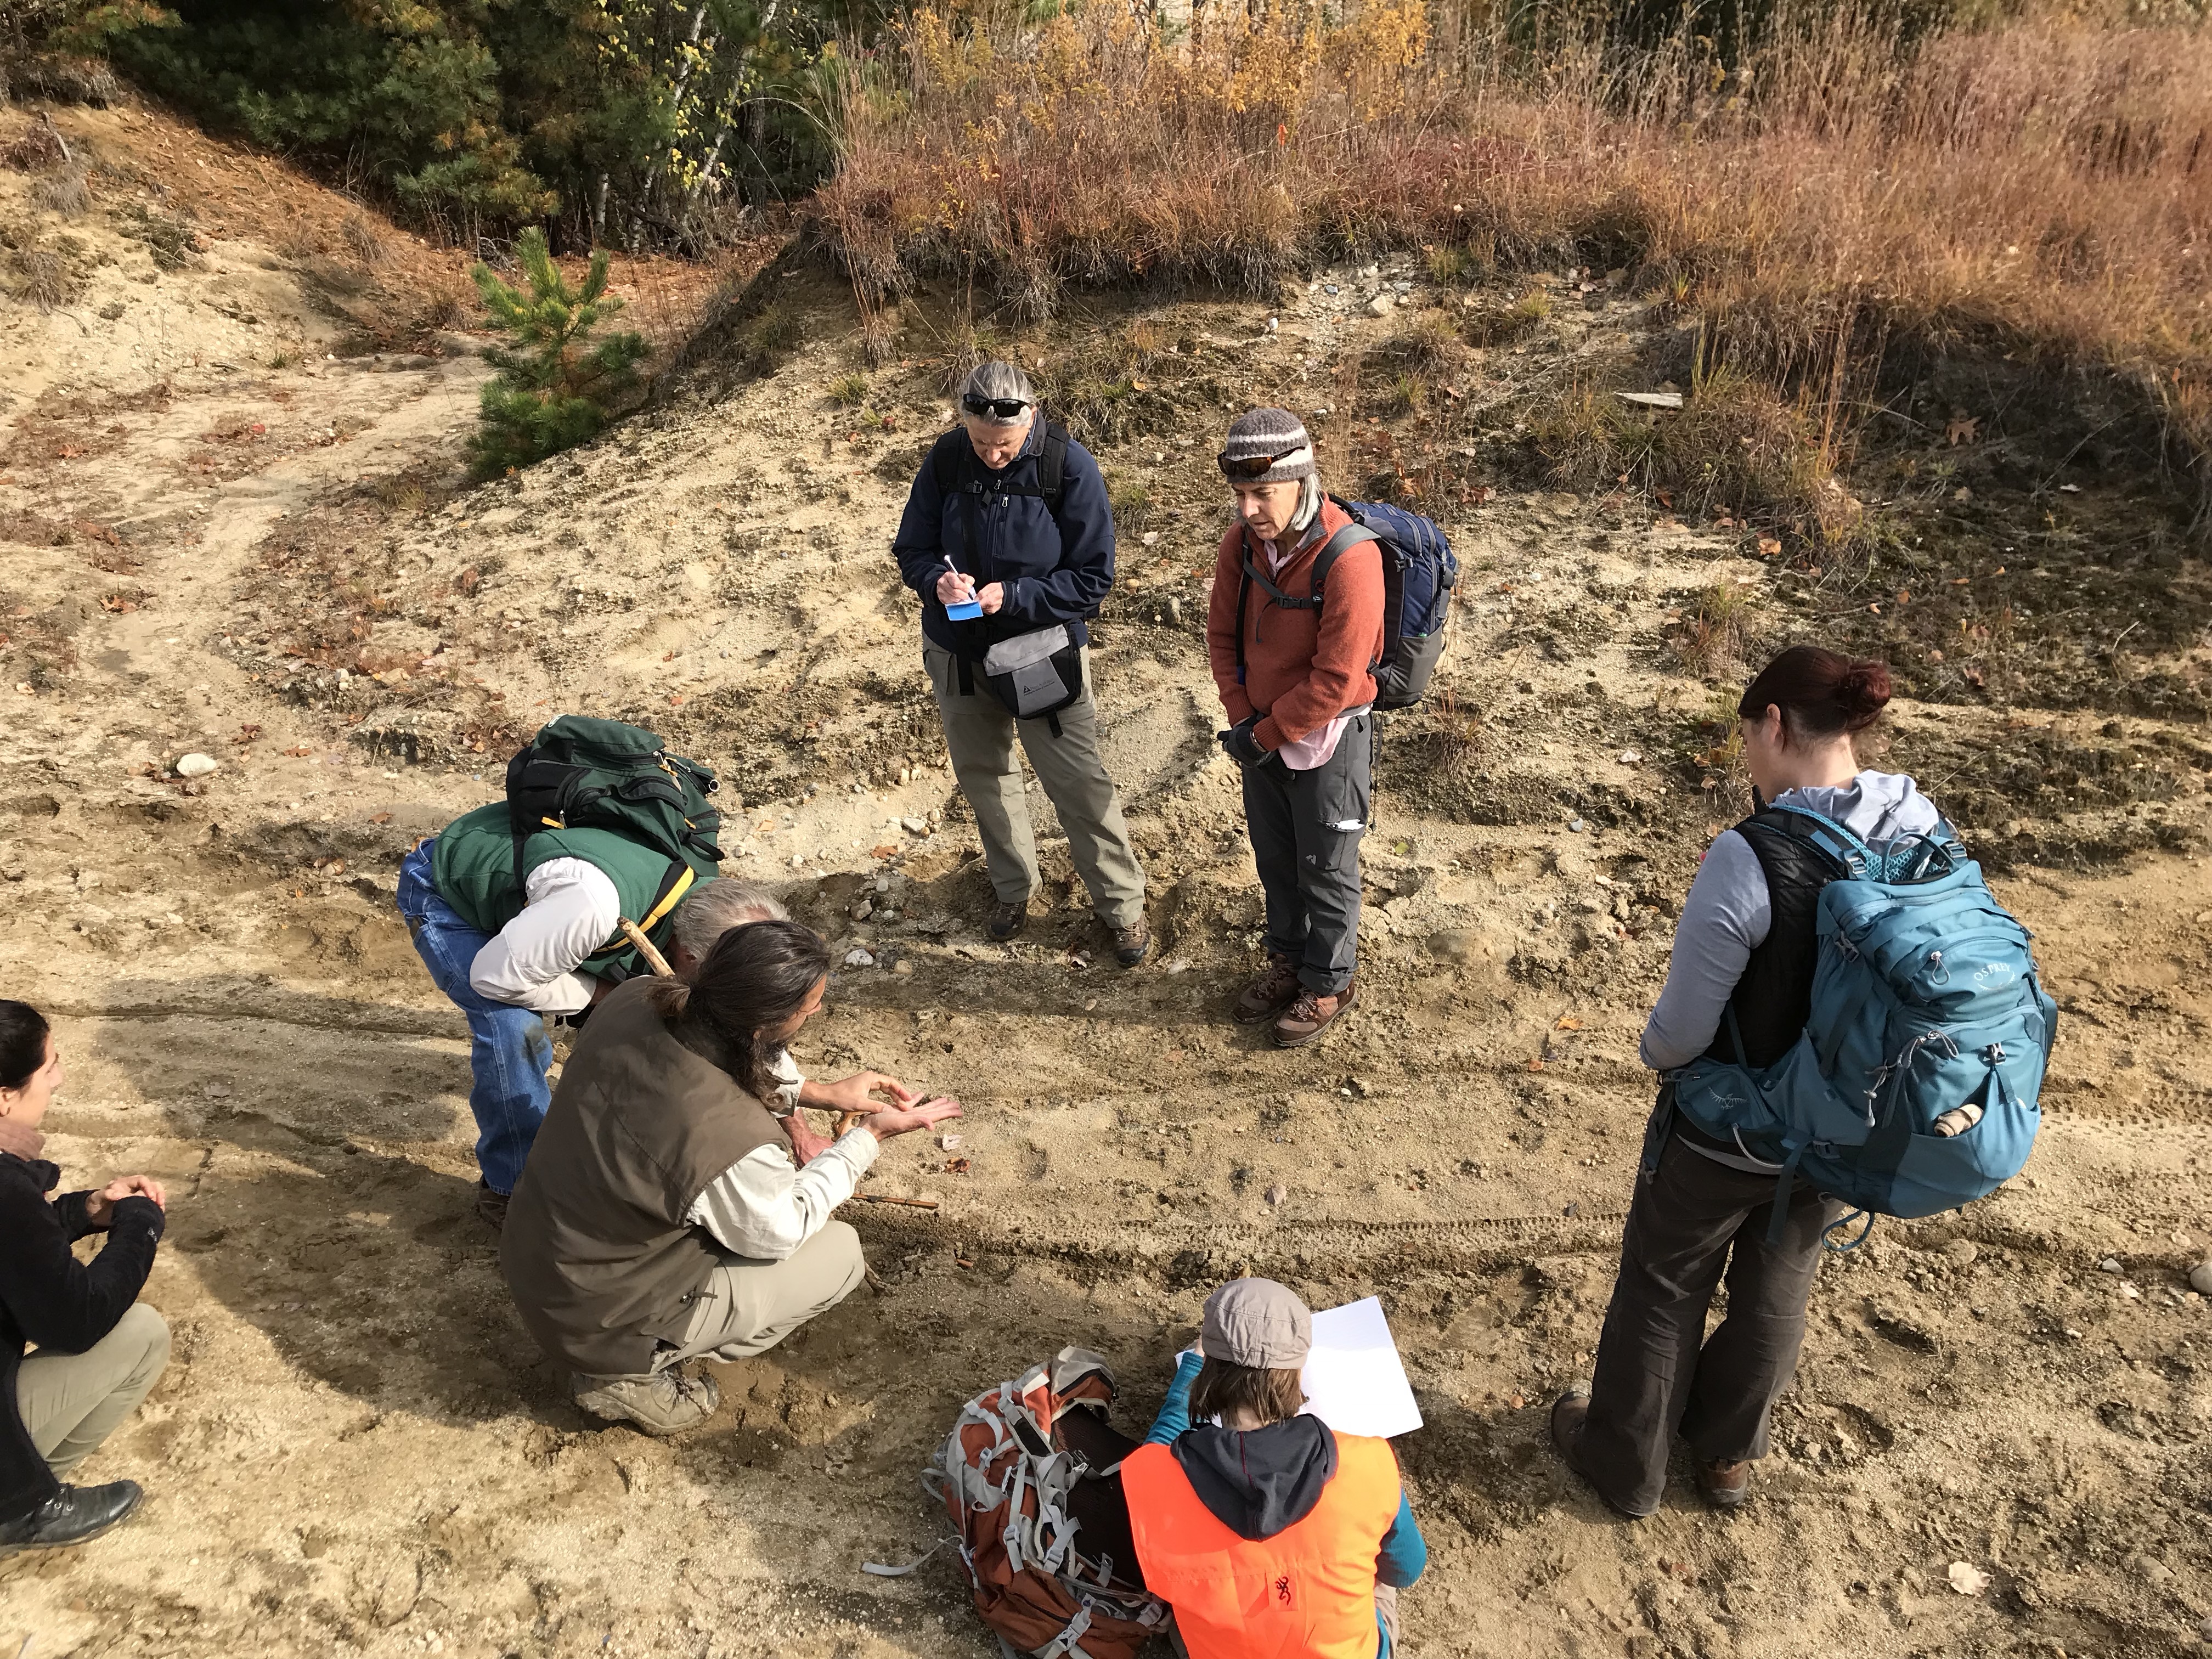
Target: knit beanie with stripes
(1262, 432)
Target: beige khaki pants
(70, 1402)
(979, 734)
(748, 1306)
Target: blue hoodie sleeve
(919, 546)
(1086, 574)
(1405, 1554)
(1175, 1411)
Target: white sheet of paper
(1354, 1380)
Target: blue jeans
(509, 1052)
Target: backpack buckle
(1994, 1053)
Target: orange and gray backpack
(1030, 1475)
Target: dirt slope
(214, 538)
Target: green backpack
(578, 773)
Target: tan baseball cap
(1258, 1323)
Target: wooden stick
(910, 1203)
(646, 948)
(845, 1122)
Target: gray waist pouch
(1035, 675)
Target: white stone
(857, 958)
(2200, 1277)
(196, 765)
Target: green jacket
(473, 868)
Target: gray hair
(713, 908)
(997, 380)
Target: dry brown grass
(2041, 186)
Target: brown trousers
(1691, 1222)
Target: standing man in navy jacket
(1008, 523)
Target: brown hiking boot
(1131, 943)
(1304, 1020)
(1007, 920)
(1275, 989)
(1724, 1485)
(490, 1207)
(667, 1402)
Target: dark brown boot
(1007, 920)
(1275, 989)
(1304, 1020)
(491, 1207)
(1724, 1485)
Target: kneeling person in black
(100, 1349)
(1745, 943)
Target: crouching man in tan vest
(661, 1218)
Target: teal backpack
(1913, 1089)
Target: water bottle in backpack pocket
(1913, 1087)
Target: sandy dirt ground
(231, 525)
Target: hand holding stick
(646, 948)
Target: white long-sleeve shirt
(764, 1207)
(570, 908)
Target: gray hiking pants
(1691, 1221)
(747, 1307)
(1305, 830)
(69, 1402)
(979, 734)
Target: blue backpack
(1419, 574)
(1913, 1087)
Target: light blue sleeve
(1175, 1410)
(1724, 919)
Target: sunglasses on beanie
(1253, 466)
(995, 409)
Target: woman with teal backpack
(1739, 990)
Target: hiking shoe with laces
(1131, 943)
(1275, 989)
(667, 1402)
(1007, 920)
(1723, 1484)
(1304, 1020)
(491, 1207)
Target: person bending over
(100, 1349)
(1268, 1532)
(661, 1218)
(1297, 683)
(1747, 942)
(509, 953)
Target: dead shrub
(34, 149)
(67, 193)
(46, 278)
(173, 243)
(362, 242)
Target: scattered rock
(1967, 1579)
(861, 911)
(1630, 756)
(1577, 825)
(1960, 1251)
(858, 958)
(2200, 1277)
(1276, 1193)
(1380, 305)
(914, 826)
(2111, 1264)
(1357, 1085)
(948, 1143)
(196, 765)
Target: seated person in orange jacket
(1268, 1533)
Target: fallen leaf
(1768, 547)
(675, 700)
(1962, 429)
(1516, 1402)
(381, 818)
(1568, 1023)
(301, 749)
(69, 451)
(1535, 1064)
(882, 852)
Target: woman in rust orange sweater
(1293, 632)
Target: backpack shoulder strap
(944, 456)
(1052, 465)
(1821, 831)
(1334, 548)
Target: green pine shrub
(555, 387)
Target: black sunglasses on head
(1251, 466)
(997, 408)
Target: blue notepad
(967, 612)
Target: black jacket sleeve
(58, 1302)
(69, 1208)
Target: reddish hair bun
(1820, 693)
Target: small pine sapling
(556, 387)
